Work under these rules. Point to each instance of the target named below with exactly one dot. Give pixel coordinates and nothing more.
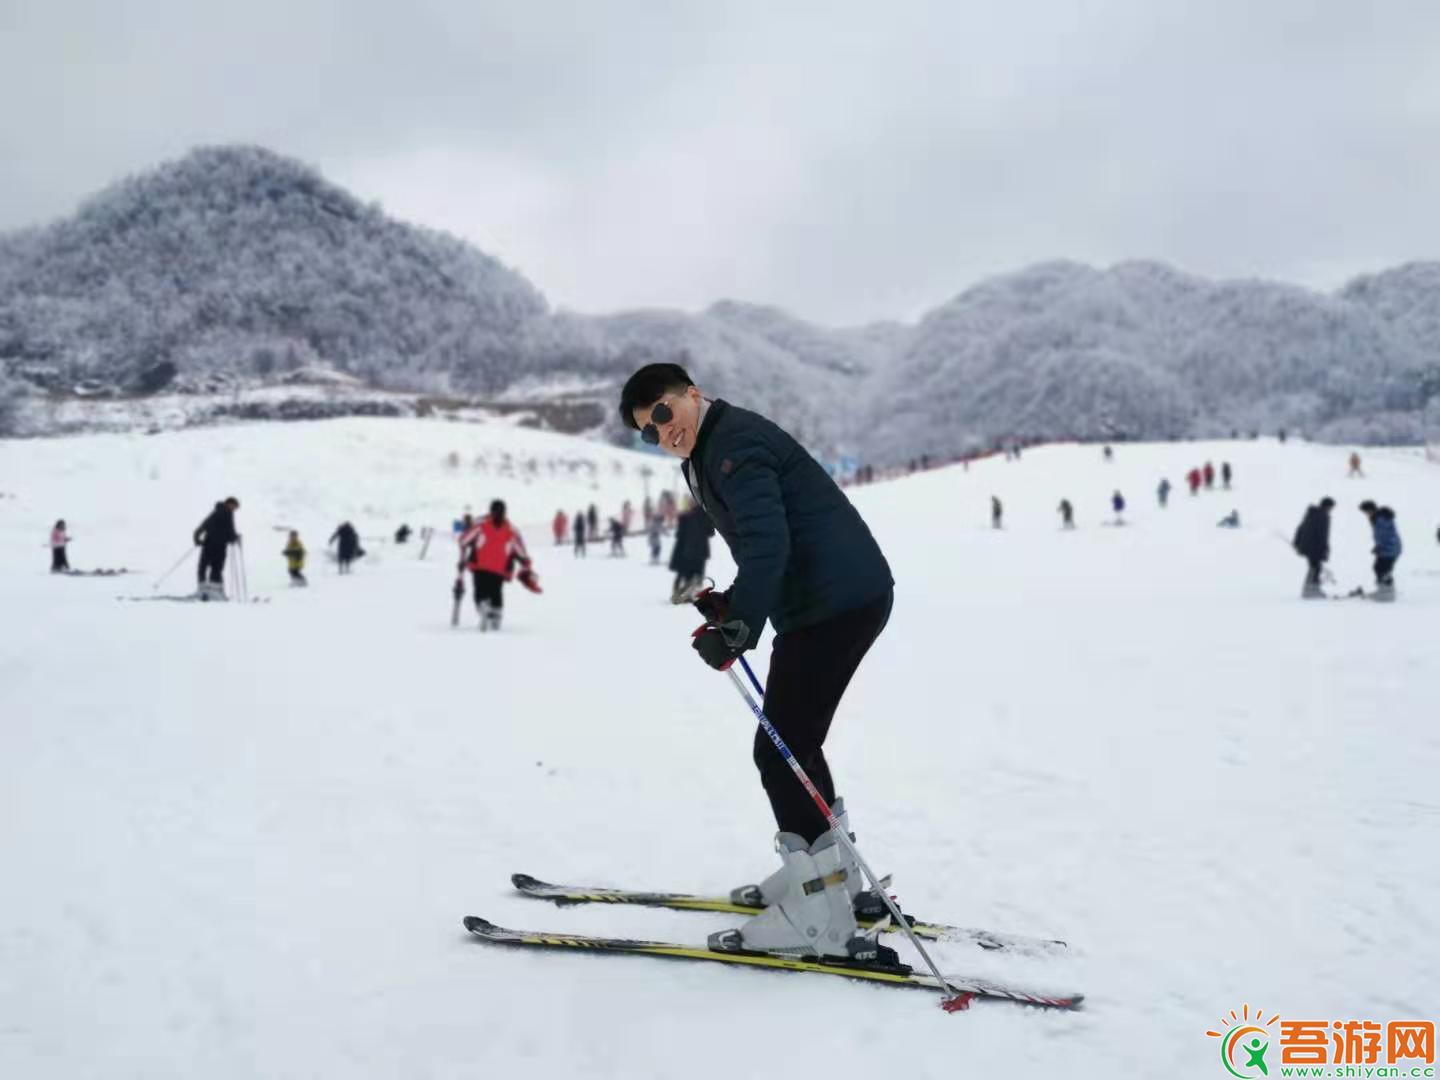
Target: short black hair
(649, 385)
(1327, 502)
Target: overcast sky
(846, 161)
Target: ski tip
(525, 881)
(476, 925)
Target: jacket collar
(713, 412)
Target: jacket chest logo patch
(726, 466)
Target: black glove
(715, 606)
(710, 643)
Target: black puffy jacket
(1312, 537)
(803, 553)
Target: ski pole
(240, 572)
(955, 999)
(161, 579)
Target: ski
(962, 988)
(581, 894)
(459, 594)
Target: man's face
(677, 435)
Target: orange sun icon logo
(1243, 1043)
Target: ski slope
(238, 840)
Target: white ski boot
(866, 902)
(1312, 591)
(489, 616)
(1384, 592)
(812, 914)
(211, 590)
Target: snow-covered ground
(237, 841)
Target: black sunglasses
(660, 414)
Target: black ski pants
(488, 589)
(809, 671)
(59, 561)
(1384, 564)
(1316, 565)
(212, 561)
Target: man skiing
(1387, 547)
(806, 563)
(1067, 514)
(1312, 540)
(1163, 491)
(213, 537)
(347, 542)
(488, 551)
(691, 552)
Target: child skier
(59, 561)
(294, 553)
(1387, 547)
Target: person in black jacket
(691, 552)
(213, 537)
(347, 545)
(807, 564)
(1312, 540)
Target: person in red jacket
(489, 549)
(560, 527)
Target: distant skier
(653, 533)
(592, 522)
(294, 553)
(807, 564)
(1163, 492)
(347, 542)
(213, 537)
(1067, 514)
(1117, 503)
(59, 538)
(1312, 541)
(691, 552)
(1355, 470)
(1209, 475)
(1225, 474)
(490, 550)
(617, 538)
(560, 526)
(1230, 520)
(997, 513)
(402, 534)
(1109, 454)
(1387, 547)
(579, 535)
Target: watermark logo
(1244, 1042)
(1252, 1046)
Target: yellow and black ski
(583, 894)
(960, 987)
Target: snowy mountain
(235, 271)
(1141, 350)
(237, 262)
